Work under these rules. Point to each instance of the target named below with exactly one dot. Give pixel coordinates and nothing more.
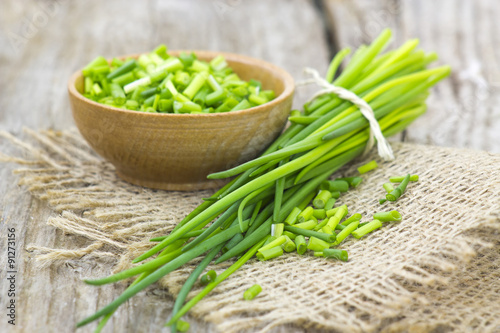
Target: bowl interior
(247, 68)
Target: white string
(384, 148)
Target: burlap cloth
(436, 271)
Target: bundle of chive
(327, 135)
(161, 83)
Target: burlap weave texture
(437, 270)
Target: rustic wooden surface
(43, 42)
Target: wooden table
(43, 42)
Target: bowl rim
(286, 78)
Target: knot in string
(384, 149)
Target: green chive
(336, 254)
(367, 228)
(393, 215)
(367, 167)
(252, 292)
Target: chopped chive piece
(161, 50)
(309, 225)
(300, 243)
(277, 242)
(182, 326)
(165, 105)
(398, 191)
(327, 230)
(256, 99)
(251, 292)
(382, 201)
(123, 69)
(277, 229)
(290, 235)
(367, 228)
(187, 59)
(354, 217)
(346, 232)
(305, 215)
(149, 92)
(131, 104)
(291, 219)
(317, 244)
(269, 240)
(321, 199)
(318, 253)
(336, 254)
(332, 212)
(244, 104)
(353, 181)
(195, 85)
(391, 216)
(209, 277)
(289, 245)
(124, 79)
(335, 185)
(269, 253)
(388, 187)
(319, 214)
(368, 167)
(98, 61)
(339, 215)
(218, 63)
(413, 178)
(330, 203)
(335, 194)
(268, 94)
(88, 84)
(310, 233)
(115, 62)
(117, 93)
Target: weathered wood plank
(43, 43)
(463, 109)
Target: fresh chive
(252, 292)
(367, 167)
(310, 233)
(270, 253)
(321, 199)
(209, 277)
(316, 244)
(391, 216)
(388, 187)
(336, 254)
(367, 228)
(398, 179)
(398, 191)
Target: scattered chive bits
(393, 194)
(252, 292)
(209, 277)
(161, 83)
(182, 326)
(367, 167)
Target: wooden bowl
(178, 151)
